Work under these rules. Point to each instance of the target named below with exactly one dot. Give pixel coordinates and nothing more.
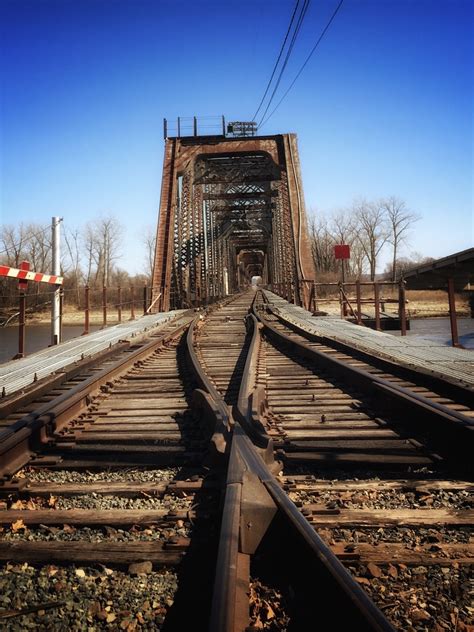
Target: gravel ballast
(92, 598)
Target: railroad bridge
(266, 462)
(231, 208)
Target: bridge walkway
(16, 375)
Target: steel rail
(37, 389)
(462, 394)
(252, 500)
(20, 441)
(421, 408)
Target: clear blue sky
(384, 107)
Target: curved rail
(436, 417)
(254, 501)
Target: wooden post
(119, 304)
(86, 310)
(359, 308)
(145, 306)
(377, 305)
(132, 302)
(402, 308)
(452, 314)
(104, 306)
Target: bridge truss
(231, 209)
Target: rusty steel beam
(199, 238)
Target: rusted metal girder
(223, 196)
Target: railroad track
(125, 464)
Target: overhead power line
(278, 60)
(323, 33)
(299, 23)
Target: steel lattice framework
(231, 209)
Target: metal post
(61, 307)
(359, 308)
(401, 308)
(22, 288)
(104, 306)
(119, 304)
(452, 313)
(195, 126)
(223, 125)
(22, 324)
(145, 306)
(315, 298)
(86, 310)
(344, 304)
(179, 127)
(132, 303)
(165, 129)
(56, 270)
(341, 299)
(377, 305)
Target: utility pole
(55, 306)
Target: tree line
(90, 256)
(367, 227)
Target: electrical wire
(323, 33)
(278, 60)
(288, 55)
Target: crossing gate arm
(29, 275)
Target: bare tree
(72, 239)
(322, 243)
(400, 219)
(102, 241)
(372, 230)
(149, 241)
(13, 239)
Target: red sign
(342, 251)
(24, 265)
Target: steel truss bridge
(231, 208)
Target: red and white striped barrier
(29, 275)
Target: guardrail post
(359, 308)
(22, 324)
(132, 302)
(341, 300)
(452, 314)
(402, 308)
(145, 292)
(61, 308)
(86, 310)
(377, 305)
(22, 288)
(104, 306)
(119, 304)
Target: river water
(439, 330)
(38, 336)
